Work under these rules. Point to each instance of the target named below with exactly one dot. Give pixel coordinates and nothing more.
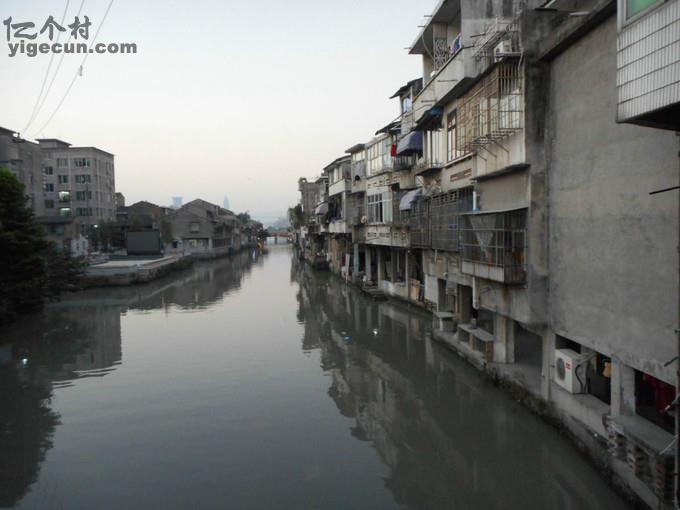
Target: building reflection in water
(450, 439)
(76, 338)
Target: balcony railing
(358, 169)
(494, 245)
(456, 71)
(426, 164)
(403, 162)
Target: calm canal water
(259, 384)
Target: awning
(407, 200)
(321, 209)
(430, 120)
(412, 143)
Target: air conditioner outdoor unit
(567, 363)
(503, 49)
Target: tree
(166, 231)
(296, 216)
(32, 270)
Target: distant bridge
(283, 236)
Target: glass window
(451, 137)
(81, 162)
(64, 196)
(63, 179)
(62, 162)
(48, 170)
(49, 204)
(65, 211)
(195, 226)
(49, 186)
(634, 7)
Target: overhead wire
(78, 71)
(47, 73)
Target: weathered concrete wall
(613, 258)
(509, 191)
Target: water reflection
(182, 394)
(80, 337)
(450, 439)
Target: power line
(79, 71)
(47, 73)
(56, 71)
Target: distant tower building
(120, 200)
(225, 204)
(177, 202)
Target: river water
(257, 383)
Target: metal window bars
(445, 210)
(419, 223)
(497, 240)
(434, 222)
(495, 32)
(491, 110)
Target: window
(406, 104)
(83, 195)
(49, 187)
(84, 211)
(375, 208)
(635, 7)
(82, 179)
(63, 179)
(62, 162)
(81, 162)
(380, 208)
(497, 240)
(195, 226)
(48, 170)
(451, 152)
(64, 212)
(652, 397)
(64, 196)
(433, 146)
(49, 204)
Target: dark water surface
(260, 384)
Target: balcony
(342, 186)
(494, 245)
(427, 164)
(339, 227)
(358, 173)
(491, 110)
(445, 218)
(358, 186)
(453, 76)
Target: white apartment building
(78, 182)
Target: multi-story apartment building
(537, 216)
(24, 160)
(79, 182)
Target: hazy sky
(222, 98)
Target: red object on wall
(393, 150)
